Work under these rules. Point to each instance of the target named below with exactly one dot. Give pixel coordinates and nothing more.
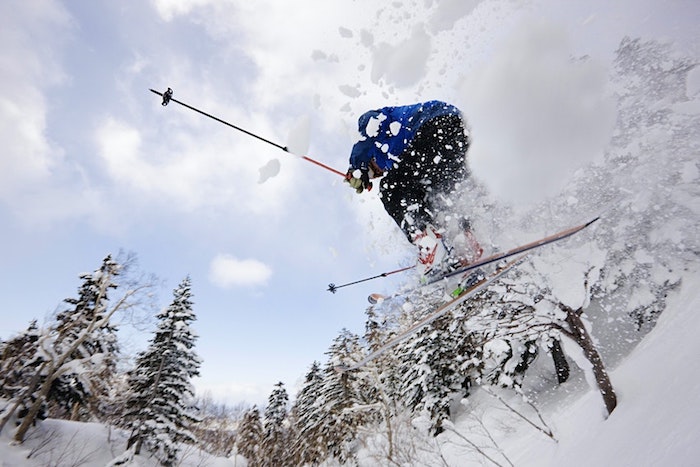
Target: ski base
(438, 312)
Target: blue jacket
(385, 133)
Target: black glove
(358, 183)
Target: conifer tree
(383, 374)
(339, 399)
(249, 440)
(275, 434)
(14, 355)
(378, 382)
(430, 371)
(158, 413)
(19, 367)
(306, 447)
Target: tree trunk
(75, 413)
(583, 339)
(9, 412)
(28, 420)
(561, 366)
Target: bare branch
(473, 445)
(547, 431)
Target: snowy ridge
(655, 423)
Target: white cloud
(168, 9)
(196, 168)
(40, 181)
(119, 146)
(293, 54)
(27, 156)
(31, 37)
(227, 271)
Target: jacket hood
(364, 121)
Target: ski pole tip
(592, 221)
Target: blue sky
(93, 164)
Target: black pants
(430, 167)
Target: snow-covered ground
(61, 443)
(656, 420)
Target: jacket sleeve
(362, 152)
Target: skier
(420, 151)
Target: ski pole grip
(167, 95)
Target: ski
(432, 316)
(555, 237)
(566, 233)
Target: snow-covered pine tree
(429, 363)
(506, 329)
(249, 439)
(14, 354)
(158, 412)
(275, 448)
(379, 383)
(339, 399)
(78, 393)
(18, 366)
(382, 374)
(376, 384)
(62, 352)
(654, 159)
(306, 447)
(648, 182)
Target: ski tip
(341, 368)
(375, 298)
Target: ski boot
(472, 251)
(471, 279)
(432, 252)
(469, 244)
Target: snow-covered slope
(656, 421)
(61, 443)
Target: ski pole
(168, 97)
(332, 288)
